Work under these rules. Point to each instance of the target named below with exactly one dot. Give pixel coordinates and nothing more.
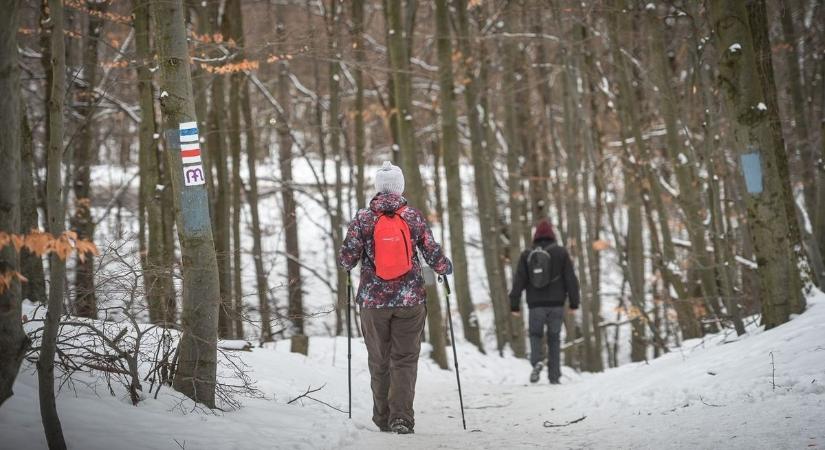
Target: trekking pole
(455, 354)
(349, 343)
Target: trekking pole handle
(443, 278)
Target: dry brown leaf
(601, 245)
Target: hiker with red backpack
(546, 272)
(387, 238)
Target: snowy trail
(716, 393)
(513, 417)
(713, 394)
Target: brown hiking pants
(393, 338)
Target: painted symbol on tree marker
(190, 153)
(188, 132)
(193, 175)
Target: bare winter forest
(177, 177)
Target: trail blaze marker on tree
(193, 175)
(190, 154)
(188, 132)
(752, 170)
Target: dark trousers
(393, 338)
(551, 317)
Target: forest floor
(762, 390)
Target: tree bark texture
(197, 353)
(13, 340)
(56, 225)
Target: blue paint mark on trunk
(752, 170)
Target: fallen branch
(311, 391)
(548, 424)
(305, 394)
(709, 404)
(489, 406)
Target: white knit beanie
(389, 179)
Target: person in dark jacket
(546, 304)
(392, 311)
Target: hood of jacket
(387, 202)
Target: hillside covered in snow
(764, 390)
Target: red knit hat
(544, 231)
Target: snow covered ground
(764, 390)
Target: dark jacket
(358, 245)
(554, 294)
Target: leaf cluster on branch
(42, 243)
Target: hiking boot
(555, 382)
(401, 426)
(534, 375)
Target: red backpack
(393, 245)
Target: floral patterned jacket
(407, 290)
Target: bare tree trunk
(756, 139)
(289, 219)
(216, 139)
(358, 74)
(483, 178)
(547, 135)
(764, 64)
(13, 340)
(31, 265)
(515, 156)
(634, 242)
(335, 128)
(232, 22)
(594, 209)
(683, 160)
(399, 60)
(157, 276)
(56, 225)
(85, 304)
(573, 148)
(197, 353)
(200, 84)
(252, 199)
(804, 143)
(450, 146)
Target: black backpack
(539, 267)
